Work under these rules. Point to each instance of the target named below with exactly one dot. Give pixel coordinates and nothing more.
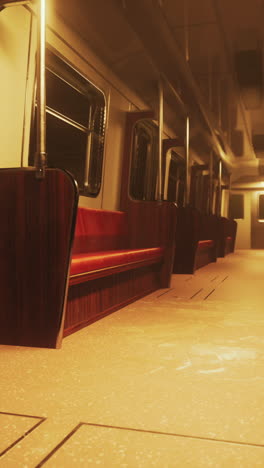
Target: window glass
(144, 165)
(75, 125)
(66, 100)
(199, 191)
(236, 206)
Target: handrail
(187, 161)
(41, 155)
(161, 105)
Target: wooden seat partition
(196, 240)
(37, 225)
(227, 229)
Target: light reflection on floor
(173, 380)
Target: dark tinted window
(144, 165)
(261, 207)
(236, 206)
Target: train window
(199, 191)
(75, 111)
(144, 165)
(261, 207)
(236, 206)
(175, 174)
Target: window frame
(150, 127)
(84, 191)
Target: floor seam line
(195, 294)
(22, 437)
(142, 431)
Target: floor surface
(176, 379)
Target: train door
(239, 209)
(257, 220)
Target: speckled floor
(173, 380)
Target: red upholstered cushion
(99, 230)
(205, 243)
(82, 263)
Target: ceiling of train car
(225, 56)
(224, 41)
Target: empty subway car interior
(132, 233)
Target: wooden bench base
(204, 255)
(90, 301)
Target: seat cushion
(203, 244)
(93, 261)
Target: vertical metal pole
(161, 102)
(187, 129)
(40, 156)
(186, 30)
(210, 87)
(219, 187)
(210, 203)
(219, 103)
(88, 150)
(187, 161)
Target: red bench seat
(97, 264)
(108, 268)
(203, 244)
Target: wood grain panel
(191, 228)
(95, 299)
(90, 275)
(37, 223)
(153, 224)
(204, 256)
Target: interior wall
(119, 98)
(15, 24)
(17, 56)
